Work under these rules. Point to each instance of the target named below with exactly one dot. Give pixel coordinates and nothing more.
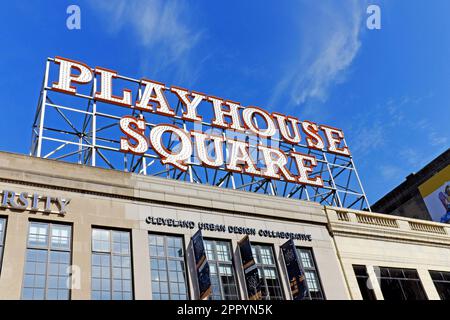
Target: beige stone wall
(107, 198)
(115, 199)
(376, 240)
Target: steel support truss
(81, 130)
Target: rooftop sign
(185, 130)
(227, 115)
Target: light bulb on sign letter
(167, 156)
(105, 93)
(202, 151)
(335, 137)
(313, 139)
(134, 129)
(220, 114)
(238, 156)
(275, 161)
(248, 116)
(305, 164)
(66, 77)
(154, 93)
(288, 135)
(191, 106)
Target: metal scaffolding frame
(79, 131)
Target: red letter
(313, 139)
(248, 115)
(202, 150)
(178, 159)
(238, 156)
(220, 114)
(305, 169)
(162, 106)
(334, 138)
(134, 129)
(66, 77)
(275, 166)
(191, 106)
(105, 93)
(286, 133)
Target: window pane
(364, 284)
(360, 270)
(38, 234)
(167, 267)
(268, 273)
(223, 282)
(306, 258)
(312, 276)
(441, 281)
(2, 231)
(435, 275)
(413, 290)
(391, 289)
(100, 240)
(2, 238)
(111, 265)
(60, 237)
(401, 284)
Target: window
(47, 262)
(168, 269)
(364, 284)
(312, 276)
(441, 281)
(111, 265)
(2, 238)
(268, 273)
(223, 279)
(401, 284)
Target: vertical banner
(201, 264)
(296, 275)
(252, 281)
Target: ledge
(365, 224)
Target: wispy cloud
(329, 42)
(391, 172)
(375, 129)
(390, 126)
(437, 139)
(161, 27)
(370, 137)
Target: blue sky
(388, 89)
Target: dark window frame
(110, 253)
(276, 265)
(400, 280)
(315, 269)
(48, 248)
(2, 240)
(184, 259)
(441, 281)
(232, 263)
(369, 292)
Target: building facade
(392, 258)
(69, 231)
(418, 196)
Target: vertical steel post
(94, 122)
(332, 180)
(42, 114)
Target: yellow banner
(429, 186)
